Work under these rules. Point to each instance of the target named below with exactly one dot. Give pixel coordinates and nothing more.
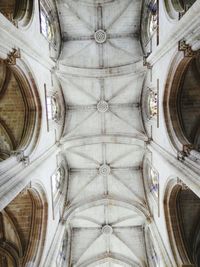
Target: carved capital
(12, 56)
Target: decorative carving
(12, 56)
(152, 104)
(145, 63)
(104, 170)
(148, 142)
(188, 52)
(107, 230)
(182, 184)
(21, 158)
(187, 149)
(100, 36)
(102, 106)
(180, 156)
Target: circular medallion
(104, 170)
(100, 36)
(102, 106)
(107, 230)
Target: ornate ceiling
(101, 73)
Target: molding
(134, 69)
(118, 139)
(105, 200)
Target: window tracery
(57, 182)
(153, 17)
(45, 24)
(153, 181)
(52, 108)
(153, 104)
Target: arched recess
(182, 103)
(182, 211)
(23, 229)
(19, 12)
(105, 200)
(20, 109)
(104, 259)
(177, 8)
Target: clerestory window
(45, 25)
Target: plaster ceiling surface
(100, 70)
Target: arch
(112, 258)
(120, 139)
(38, 232)
(23, 228)
(181, 203)
(17, 11)
(103, 200)
(21, 110)
(8, 256)
(178, 100)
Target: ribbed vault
(101, 73)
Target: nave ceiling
(99, 133)
(101, 72)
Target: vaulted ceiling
(101, 72)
